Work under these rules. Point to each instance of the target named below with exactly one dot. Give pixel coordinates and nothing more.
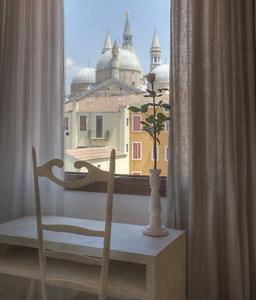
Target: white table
(152, 267)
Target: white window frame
(66, 129)
(166, 153)
(157, 152)
(140, 151)
(167, 127)
(136, 115)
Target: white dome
(85, 75)
(127, 61)
(162, 73)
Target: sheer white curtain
(31, 112)
(31, 100)
(213, 190)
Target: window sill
(124, 184)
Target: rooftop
(91, 153)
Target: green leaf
(134, 109)
(144, 123)
(163, 89)
(148, 130)
(161, 116)
(144, 108)
(166, 106)
(150, 119)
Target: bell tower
(155, 52)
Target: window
(98, 92)
(66, 123)
(99, 126)
(166, 153)
(136, 125)
(82, 123)
(136, 150)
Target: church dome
(162, 73)
(127, 61)
(85, 75)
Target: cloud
(69, 63)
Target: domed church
(118, 71)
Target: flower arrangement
(154, 123)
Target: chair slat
(94, 174)
(73, 284)
(73, 229)
(85, 259)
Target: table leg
(166, 274)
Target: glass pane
(110, 46)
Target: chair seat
(128, 284)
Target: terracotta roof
(91, 153)
(111, 104)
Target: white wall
(127, 208)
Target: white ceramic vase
(155, 227)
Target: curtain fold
(31, 100)
(213, 158)
(31, 114)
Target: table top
(127, 241)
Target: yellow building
(141, 156)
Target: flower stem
(154, 126)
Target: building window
(153, 154)
(136, 150)
(127, 122)
(82, 123)
(166, 153)
(65, 123)
(127, 148)
(136, 125)
(99, 126)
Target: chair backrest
(94, 175)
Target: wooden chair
(94, 174)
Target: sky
(87, 21)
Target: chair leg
(43, 289)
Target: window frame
(97, 118)
(140, 116)
(140, 143)
(152, 153)
(124, 184)
(80, 118)
(166, 153)
(66, 123)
